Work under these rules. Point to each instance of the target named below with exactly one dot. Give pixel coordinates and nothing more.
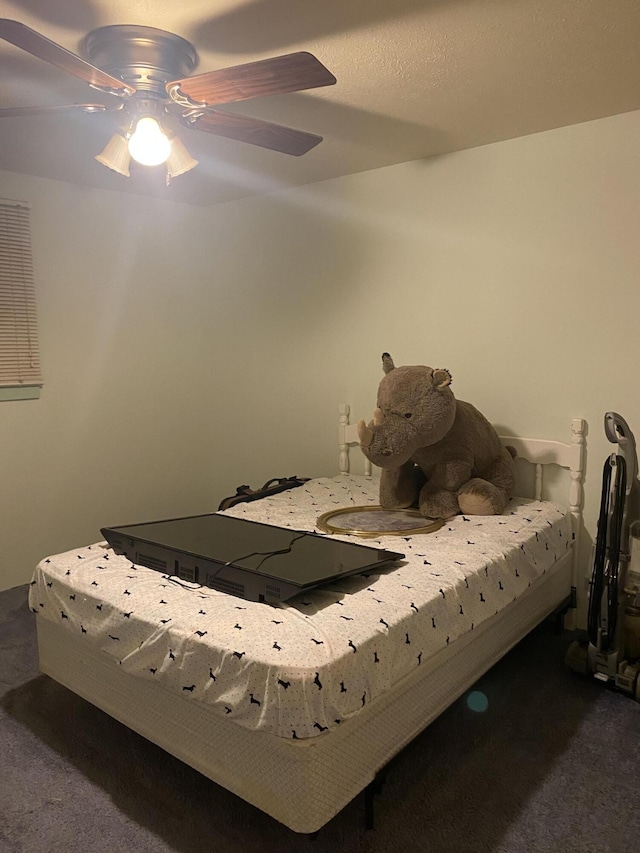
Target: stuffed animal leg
(400, 487)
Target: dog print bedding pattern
(300, 668)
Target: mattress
(301, 668)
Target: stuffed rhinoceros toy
(435, 452)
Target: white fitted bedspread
(299, 668)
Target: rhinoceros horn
(365, 434)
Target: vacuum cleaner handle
(618, 432)
(617, 429)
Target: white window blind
(19, 352)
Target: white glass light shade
(180, 161)
(116, 155)
(148, 145)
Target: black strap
(274, 486)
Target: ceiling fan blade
(43, 48)
(10, 112)
(276, 76)
(255, 132)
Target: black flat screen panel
(302, 558)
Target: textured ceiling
(415, 78)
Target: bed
(297, 707)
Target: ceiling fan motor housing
(144, 57)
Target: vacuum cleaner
(611, 650)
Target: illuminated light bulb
(148, 145)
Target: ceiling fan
(148, 69)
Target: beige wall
(173, 355)
(196, 339)
(111, 308)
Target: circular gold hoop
(395, 527)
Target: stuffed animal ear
(387, 362)
(441, 378)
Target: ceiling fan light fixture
(151, 70)
(148, 144)
(116, 154)
(179, 161)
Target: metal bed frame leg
(370, 792)
(559, 616)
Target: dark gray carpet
(552, 765)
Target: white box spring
(301, 783)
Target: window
(20, 376)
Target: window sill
(20, 392)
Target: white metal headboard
(348, 438)
(541, 452)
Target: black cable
(266, 555)
(607, 554)
(615, 542)
(597, 575)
